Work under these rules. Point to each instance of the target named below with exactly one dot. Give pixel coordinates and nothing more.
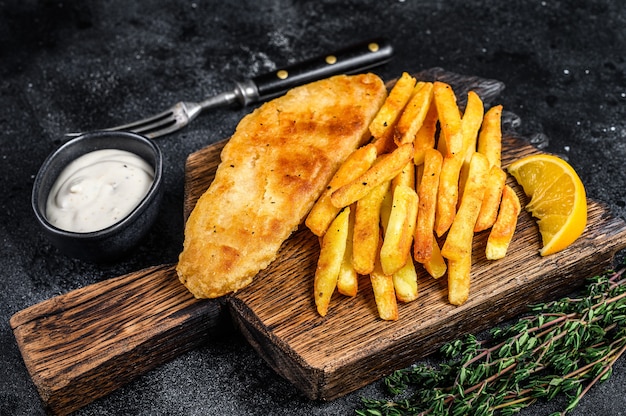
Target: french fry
(366, 232)
(436, 264)
(470, 125)
(471, 122)
(490, 138)
(384, 294)
(400, 228)
(410, 220)
(323, 211)
(347, 281)
(426, 135)
(496, 179)
(414, 113)
(458, 242)
(458, 245)
(386, 169)
(449, 117)
(459, 279)
(405, 282)
(384, 123)
(447, 193)
(329, 262)
(503, 229)
(427, 195)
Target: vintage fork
(356, 58)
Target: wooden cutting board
(327, 357)
(84, 344)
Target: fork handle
(352, 59)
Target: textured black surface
(68, 65)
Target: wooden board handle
(84, 344)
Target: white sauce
(97, 190)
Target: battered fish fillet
(272, 170)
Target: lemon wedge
(557, 199)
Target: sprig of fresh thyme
(563, 347)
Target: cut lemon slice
(557, 199)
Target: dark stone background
(68, 65)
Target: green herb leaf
(564, 347)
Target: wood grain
(85, 344)
(351, 347)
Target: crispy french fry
(426, 135)
(329, 262)
(458, 245)
(459, 279)
(490, 138)
(323, 211)
(384, 123)
(470, 125)
(414, 113)
(471, 122)
(458, 242)
(427, 193)
(436, 264)
(347, 281)
(449, 117)
(504, 227)
(496, 179)
(384, 294)
(405, 282)
(400, 228)
(447, 193)
(386, 169)
(367, 229)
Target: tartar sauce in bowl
(97, 190)
(96, 196)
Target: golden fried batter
(272, 170)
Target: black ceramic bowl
(112, 242)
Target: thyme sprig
(562, 347)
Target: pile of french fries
(417, 193)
